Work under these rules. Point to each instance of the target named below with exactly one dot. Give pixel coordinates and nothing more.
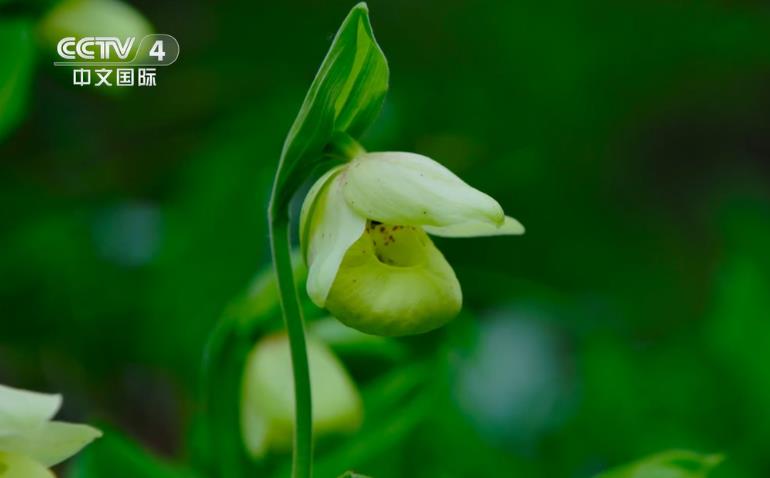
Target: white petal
(510, 227)
(19, 466)
(50, 443)
(410, 189)
(309, 206)
(22, 410)
(332, 226)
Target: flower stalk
(280, 247)
(344, 148)
(356, 62)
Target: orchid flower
(365, 228)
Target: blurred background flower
(514, 381)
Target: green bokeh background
(632, 139)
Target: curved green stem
(347, 148)
(280, 246)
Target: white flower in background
(364, 231)
(93, 18)
(267, 404)
(30, 442)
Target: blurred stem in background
(280, 247)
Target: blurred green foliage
(669, 464)
(17, 52)
(631, 138)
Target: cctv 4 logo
(90, 48)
